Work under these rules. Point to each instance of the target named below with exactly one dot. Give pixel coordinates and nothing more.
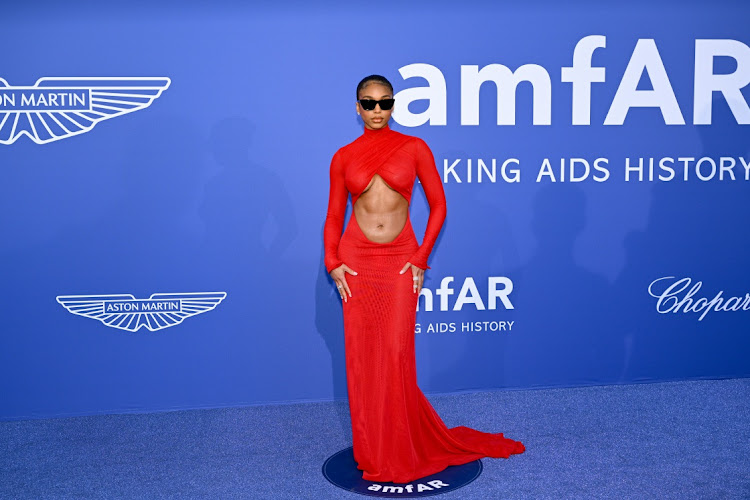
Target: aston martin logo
(125, 312)
(56, 108)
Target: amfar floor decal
(341, 470)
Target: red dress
(397, 435)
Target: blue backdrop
(199, 170)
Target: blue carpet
(680, 440)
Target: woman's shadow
(561, 333)
(696, 229)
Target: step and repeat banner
(165, 183)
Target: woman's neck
(372, 132)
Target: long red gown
(397, 435)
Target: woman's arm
(433, 190)
(337, 198)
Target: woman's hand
(339, 277)
(417, 276)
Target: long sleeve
(337, 198)
(433, 190)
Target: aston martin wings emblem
(56, 108)
(125, 312)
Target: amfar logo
(582, 75)
(676, 298)
(125, 312)
(498, 288)
(56, 108)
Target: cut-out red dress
(397, 435)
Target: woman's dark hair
(373, 78)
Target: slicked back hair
(373, 79)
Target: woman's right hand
(339, 277)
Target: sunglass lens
(386, 104)
(367, 104)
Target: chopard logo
(59, 107)
(677, 298)
(125, 312)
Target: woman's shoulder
(413, 140)
(414, 144)
(347, 148)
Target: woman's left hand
(417, 276)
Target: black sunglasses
(369, 104)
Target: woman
(378, 268)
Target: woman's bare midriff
(381, 211)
